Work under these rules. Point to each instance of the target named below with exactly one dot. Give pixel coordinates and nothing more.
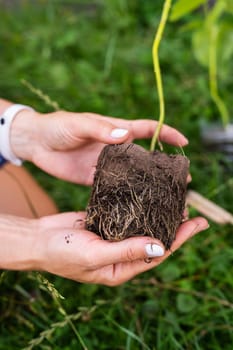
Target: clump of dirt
(137, 193)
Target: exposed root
(137, 193)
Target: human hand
(67, 145)
(66, 249)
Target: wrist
(4, 104)
(20, 247)
(16, 133)
(24, 134)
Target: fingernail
(117, 133)
(205, 227)
(154, 250)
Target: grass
(96, 56)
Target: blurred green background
(96, 56)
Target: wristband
(5, 125)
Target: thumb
(129, 250)
(91, 126)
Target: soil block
(137, 193)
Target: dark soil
(137, 193)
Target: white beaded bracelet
(5, 124)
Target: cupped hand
(66, 249)
(67, 145)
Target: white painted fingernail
(154, 250)
(117, 133)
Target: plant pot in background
(218, 138)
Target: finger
(75, 220)
(146, 128)
(89, 126)
(133, 249)
(102, 253)
(187, 230)
(121, 273)
(128, 250)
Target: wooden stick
(208, 208)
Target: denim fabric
(2, 161)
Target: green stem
(77, 334)
(213, 76)
(56, 297)
(158, 36)
(45, 98)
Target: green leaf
(200, 42)
(225, 41)
(130, 334)
(183, 7)
(185, 303)
(229, 6)
(170, 273)
(216, 12)
(191, 26)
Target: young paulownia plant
(138, 192)
(210, 26)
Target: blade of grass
(129, 333)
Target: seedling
(138, 192)
(212, 32)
